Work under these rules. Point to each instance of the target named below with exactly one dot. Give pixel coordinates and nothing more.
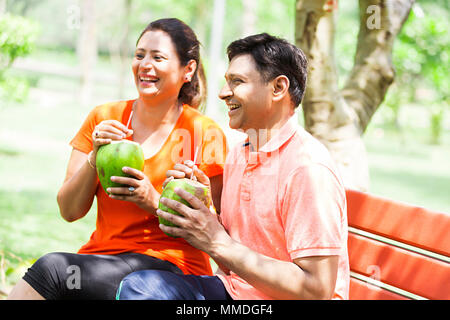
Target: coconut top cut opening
(193, 182)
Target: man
(283, 228)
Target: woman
(168, 74)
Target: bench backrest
(397, 251)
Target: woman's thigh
(85, 276)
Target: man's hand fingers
(167, 181)
(201, 176)
(174, 231)
(179, 221)
(195, 202)
(183, 168)
(175, 173)
(175, 205)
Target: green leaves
(17, 37)
(423, 51)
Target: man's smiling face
(247, 95)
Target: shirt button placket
(246, 186)
(248, 172)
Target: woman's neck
(152, 115)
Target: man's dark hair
(274, 57)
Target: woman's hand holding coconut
(139, 190)
(105, 132)
(136, 186)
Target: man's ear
(190, 70)
(280, 87)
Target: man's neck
(259, 137)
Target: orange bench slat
(360, 290)
(415, 226)
(412, 272)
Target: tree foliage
(423, 53)
(420, 54)
(17, 37)
(421, 58)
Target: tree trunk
(338, 118)
(87, 50)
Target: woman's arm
(78, 190)
(77, 193)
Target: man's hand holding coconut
(184, 208)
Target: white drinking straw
(129, 119)
(195, 159)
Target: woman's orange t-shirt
(124, 227)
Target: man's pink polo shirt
(286, 202)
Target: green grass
(418, 174)
(404, 166)
(34, 152)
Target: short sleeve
(111, 111)
(83, 139)
(312, 212)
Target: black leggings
(71, 276)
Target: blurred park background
(60, 58)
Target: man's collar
(279, 137)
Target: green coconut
(112, 157)
(193, 187)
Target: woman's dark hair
(188, 48)
(273, 57)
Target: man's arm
(304, 278)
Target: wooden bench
(397, 251)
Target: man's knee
(154, 285)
